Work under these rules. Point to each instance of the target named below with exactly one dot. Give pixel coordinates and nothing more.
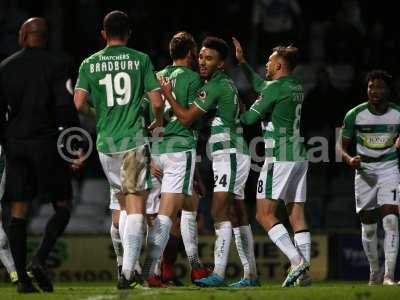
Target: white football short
(283, 180)
(230, 173)
(178, 171)
(373, 190)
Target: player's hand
(238, 51)
(355, 162)
(166, 87)
(397, 144)
(156, 124)
(77, 163)
(199, 188)
(155, 170)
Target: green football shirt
(116, 78)
(221, 95)
(185, 84)
(283, 99)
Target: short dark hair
(217, 44)
(180, 44)
(380, 74)
(289, 54)
(116, 24)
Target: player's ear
(22, 38)
(221, 65)
(104, 35)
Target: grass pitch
(273, 291)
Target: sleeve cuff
(199, 106)
(251, 108)
(82, 89)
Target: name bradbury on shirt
(114, 63)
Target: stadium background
(339, 42)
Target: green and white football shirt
(116, 78)
(221, 95)
(283, 99)
(375, 135)
(185, 84)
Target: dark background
(339, 42)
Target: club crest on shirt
(202, 95)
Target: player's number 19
(121, 86)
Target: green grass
(270, 291)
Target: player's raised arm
(238, 51)
(255, 80)
(185, 115)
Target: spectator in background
(276, 22)
(344, 36)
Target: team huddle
(179, 97)
(151, 174)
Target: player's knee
(260, 217)
(390, 222)
(114, 226)
(368, 230)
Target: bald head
(33, 33)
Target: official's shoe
(200, 273)
(295, 272)
(26, 287)
(245, 282)
(39, 273)
(214, 280)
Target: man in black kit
(34, 104)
